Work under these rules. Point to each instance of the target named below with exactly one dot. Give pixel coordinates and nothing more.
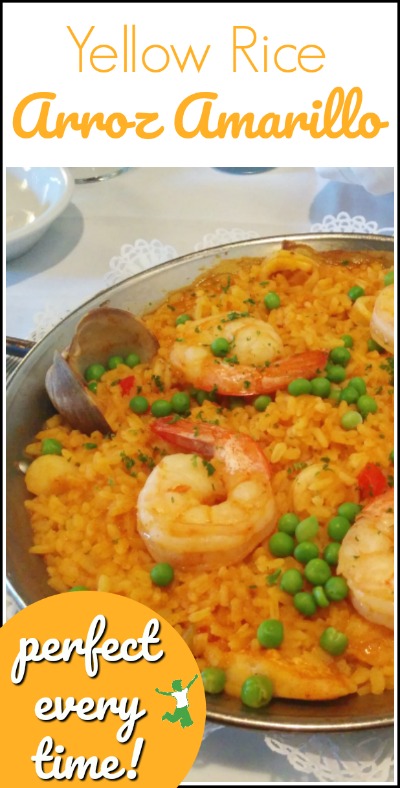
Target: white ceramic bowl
(35, 197)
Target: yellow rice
(85, 526)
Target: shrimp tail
(200, 439)
(246, 381)
(302, 365)
(208, 440)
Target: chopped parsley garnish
(90, 445)
(209, 467)
(388, 366)
(129, 462)
(234, 316)
(145, 459)
(226, 287)
(272, 580)
(158, 382)
(297, 466)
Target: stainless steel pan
(28, 406)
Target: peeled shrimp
(366, 560)
(195, 512)
(249, 368)
(382, 320)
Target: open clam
(103, 332)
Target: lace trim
(344, 223)
(351, 757)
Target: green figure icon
(180, 694)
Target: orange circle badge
(98, 688)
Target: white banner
(280, 84)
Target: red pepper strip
(126, 384)
(371, 481)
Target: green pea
(114, 362)
(320, 596)
(349, 510)
(305, 551)
(272, 300)
(367, 405)
(338, 527)
(262, 402)
(336, 589)
(388, 279)
(288, 523)
(94, 372)
(372, 345)
(139, 404)
(281, 544)
(349, 395)
(291, 581)
(220, 346)
(92, 386)
(320, 387)
(162, 574)
(307, 529)
(132, 360)
(201, 396)
(358, 384)
(333, 641)
(317, 571)
(79, 588)
(180, 402)
(355, 292)
(257, 691)
(181, 319)
(351, 420)
(305, 603)
(335, 395)
(161, 407)
(213, 680)
(335, 373)
(347, 340)
(340, 355)
(299, 386)
(391, 456)
(270, 633)
(51, 446)
(331, 553)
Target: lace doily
(222, 236)
(137, 257)
(362, 756)
(47, 319)
(344, 223)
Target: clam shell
(102, 333)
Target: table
(145, 216)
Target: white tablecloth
(145, 216)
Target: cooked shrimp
(194, 512)
(366, 560)
(382, 320)
(249, 367)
